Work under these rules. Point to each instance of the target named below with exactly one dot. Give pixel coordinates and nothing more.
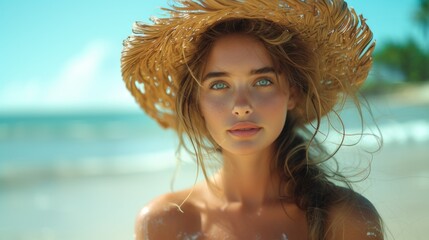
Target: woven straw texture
(151, 56)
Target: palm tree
(422, 18)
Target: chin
(247, 148)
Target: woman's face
(241, 100)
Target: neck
(248, 180)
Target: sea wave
(90, 166)
(406, 133)
(157, 159)
(387, 134)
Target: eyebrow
(263, 70)
(215, 75)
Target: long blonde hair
(298, 155)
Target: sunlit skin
(244, 109)
(241, 91)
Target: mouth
(244, 129)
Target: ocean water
(82, 144)
(37, 146)
(84, 176)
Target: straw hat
(151, 57)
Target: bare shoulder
(354, 217)
(163, 219)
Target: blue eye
(218, 86)
(264, 82)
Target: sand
(104, 207)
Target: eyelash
(269, 82)
(224, 85)
(213, 85)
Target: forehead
(237, 52)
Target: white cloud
(78, 75)
(86, 81)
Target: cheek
(276, 103)
(274, 109)
(212, 107)
(213, 113)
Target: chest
(272, 224)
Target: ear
(293, 98)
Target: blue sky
(65, 55)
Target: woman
(247, 83)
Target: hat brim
(150, 58)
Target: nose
(242, 106)
(241, 111)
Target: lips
(244, 129)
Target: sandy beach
(104, 207)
